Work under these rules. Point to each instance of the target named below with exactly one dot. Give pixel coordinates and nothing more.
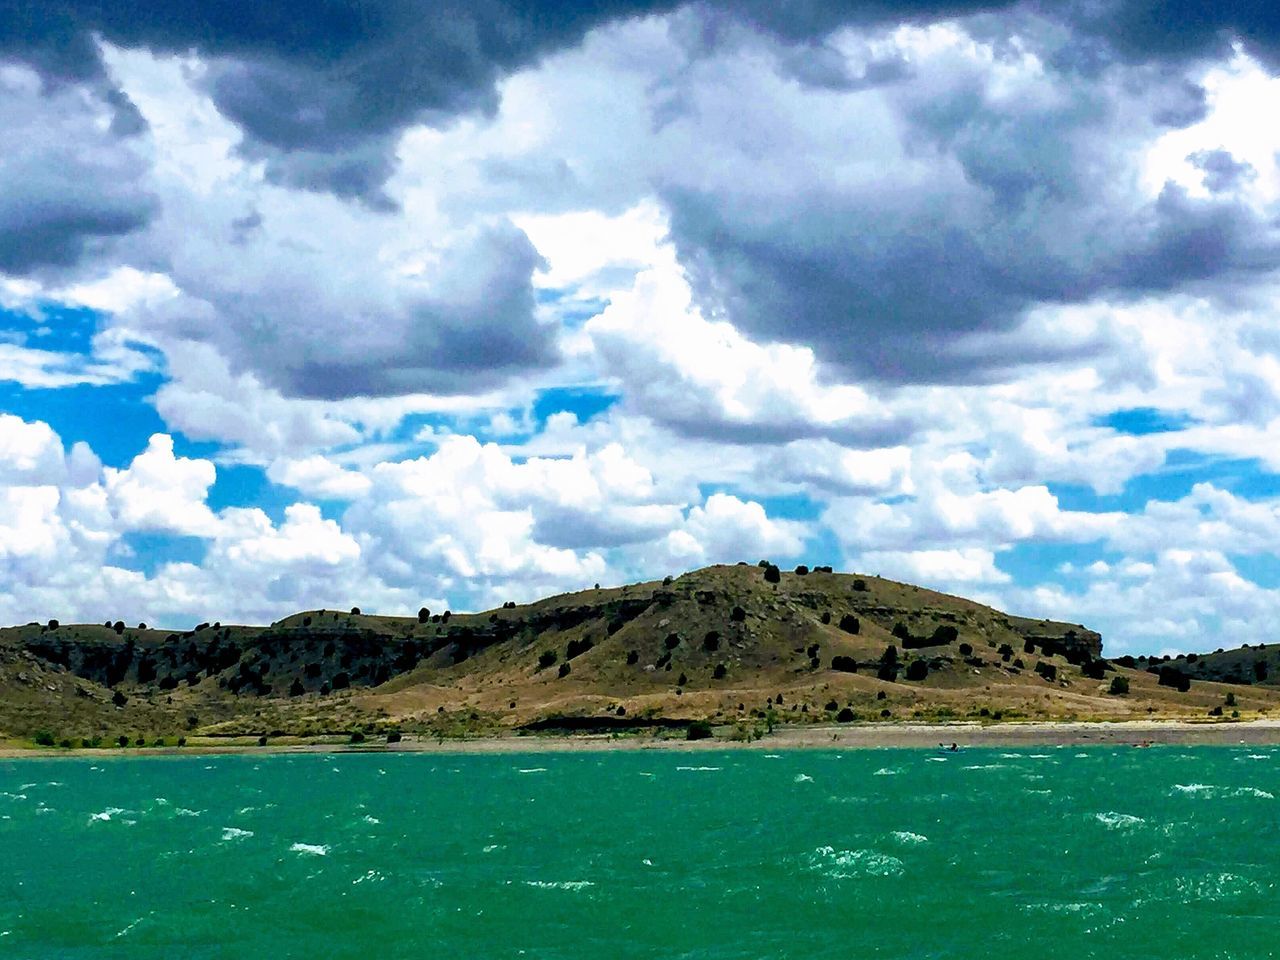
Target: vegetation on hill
(746, 646)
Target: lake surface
(1068, 853)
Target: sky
(406, 303)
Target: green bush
(698, 730)
(1119, 686)
(357, 736)
(546, 659)
(44, 738)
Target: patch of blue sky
(570, 310)
(243, 485)
(821, 546)
(115, 419)
(584, 402)
(148, 552)
(1262, 569)
(51, 326)
(1140, 421)
(1035, 562)
(1183, 469)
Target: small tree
(424, 615)
(917, 670)
(546, 659)
(564, 670)
(698, 730)
(850, 624)
(1231, 699)
(772, 574)
(1119, 686)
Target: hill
(742, 646)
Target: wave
(850, 864)
(907, 837)
(235, 833)
(558, 884)
(698, 768)
(886, 772)
(803, 778)
(1210, 792)
(311, 849)
(1118, 821)
(532, 770)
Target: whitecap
(986, 766)
(1086, 909)
(559, 884)
(235, 833)
(1117, 821)
(847, 864)
(886, 772)
(1215, 887)
(803, 778)
(186, 812)
(1193, 788)
(532, 769)
(698, 768)
(311, 849)
(369, 819)
(937, 759)
(907, 837)
(773, 756)
(107, 814)
(371, 875)
(493, 846)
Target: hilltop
(743, 647)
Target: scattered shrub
(576, 648)
(424, 615)
(1260, 670)
(719, 672)
(945, 633)
(831, 706)
(1216, 712)
(564, 670)
(860, 585)
(845, 716)
(296, 689)
(119, 699)
(357, 736)
(394, 736)
(966, 649)
(44, 739)
(900, 631)
(123, 740)
(262, 740)
(737, 614)
(917, 670)
(802, 570)
(182, 741)
(546, 659)
(698, 730)
(772, 574)
(633, 657)
(1047, 670)
(1231, 700)
(844, 664)
(682, 680)
(849, 623)
(1028, 646)
(826, 616)
(711, 642)
(118, 627)
(672, 641)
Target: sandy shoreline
(843, 737)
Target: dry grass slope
(743, 646)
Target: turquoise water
(1168, 852)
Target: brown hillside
(732, 644)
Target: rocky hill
(739, 646)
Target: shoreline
(871, 736)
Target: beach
(869, 736)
